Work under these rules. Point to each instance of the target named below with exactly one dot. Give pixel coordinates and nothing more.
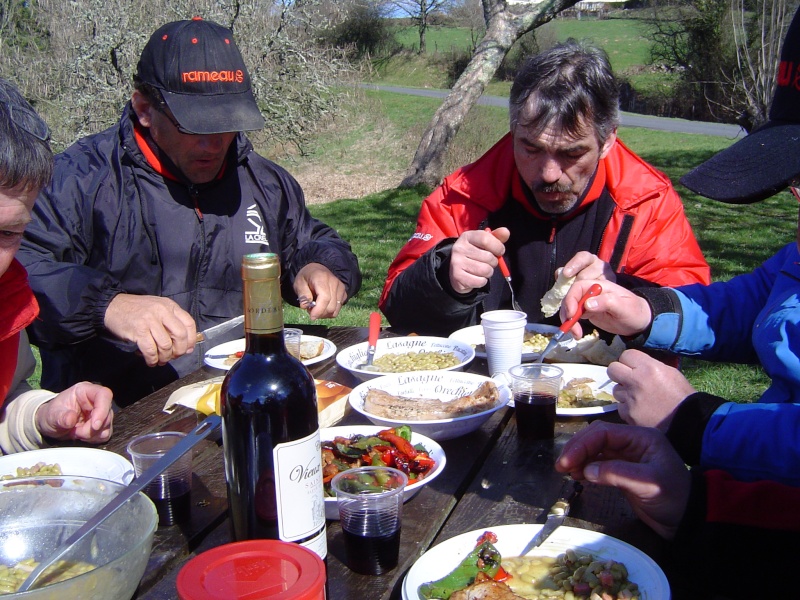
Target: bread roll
(551, 301)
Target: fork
(507, 276)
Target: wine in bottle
(270, 427)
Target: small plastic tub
(253, 569)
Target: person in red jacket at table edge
(560, 190)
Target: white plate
(86, 462)
(444, 385)
(601, 383)
(474, 335)
(223, 351)
(435, 451)
(511, 539)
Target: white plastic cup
(504, 332)
(292, 337)
(171, 490)
(370, 516)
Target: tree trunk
(506, 21)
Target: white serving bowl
(77, 461)
(435, 451)
(444, 385)
(349, 357)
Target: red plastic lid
(253, 570)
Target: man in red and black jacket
(560, 190)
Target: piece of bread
(311, 348)
(551, 301)
(574, 351)
(332, 404)
(383, 404)
(601, 353)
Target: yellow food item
(11, 577)
(39, 468)
(415, 361)
(577, 393)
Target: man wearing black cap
(753, 318)
(137, 244)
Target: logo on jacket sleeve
(256, 234)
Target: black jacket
(110, 223)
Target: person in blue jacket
(753, 318)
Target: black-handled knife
(558, 512)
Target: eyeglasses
(25, 118)
(163, 110)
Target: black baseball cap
(200, 72)
(766, 161)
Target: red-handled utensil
(567, 325)
(372, 340)
(506, 275)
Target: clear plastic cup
(504, 331)
(292, 338)
(171, 490)
(536, 387)
(370, 501)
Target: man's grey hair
(26, 159)
(565, 87)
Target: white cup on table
(504, 332)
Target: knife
(217, 330)
(558, 512)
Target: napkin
(204, 397)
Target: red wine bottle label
(298, 490)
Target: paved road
(626, 119)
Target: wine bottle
(270, 427)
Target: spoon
(199, 433)
(567, 325)
(374, 332)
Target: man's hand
(158, 326)
(639, 461)
(648, 391)
(474, 258)
(616, 309)
(82, 412)
(318, 283)
(585, 265)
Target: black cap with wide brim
(220, 113)
(753, 169)
(766, 161)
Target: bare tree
(758, 33)
(82, 78)
(506, 21)
(420, 12)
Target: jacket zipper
(553, 244)
(195, 195)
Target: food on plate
(389, 447)
(551, 301)
(570, 575)
(383, 404)
(39, 468)
(11, 577)
(311, 348)
(415, 361)
(577, 393)
(533, 342)
(485, 575)
(331, 400)
(591, 349)
(483, 559)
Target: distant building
(598, 6)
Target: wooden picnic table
(491, 479)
